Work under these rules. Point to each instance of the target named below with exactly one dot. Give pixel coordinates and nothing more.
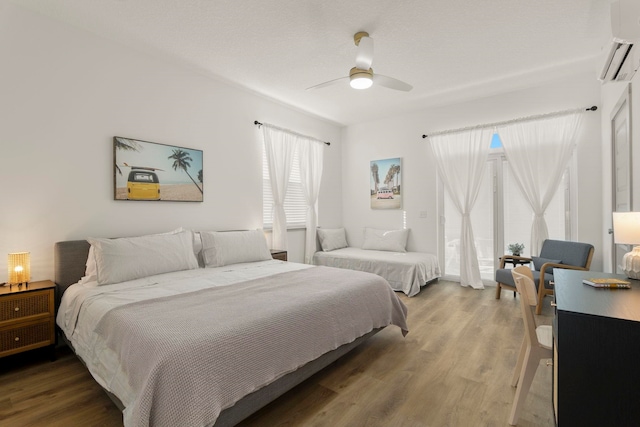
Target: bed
(406, 272)
(383, 253)
(208, 345)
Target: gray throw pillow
(538, 262)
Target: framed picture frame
(149, 171)
(385, 178)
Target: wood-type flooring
(452, 369)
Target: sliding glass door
(483, 228)
(518, 215)
(501, 216)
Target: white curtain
(538, 153)
(310, 156)
(279, 149)
(461, 159)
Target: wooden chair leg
(540, 298)
(527, 373)
(498, 290)
(518, 368)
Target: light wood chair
(536, 344)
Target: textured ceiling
(449, 50)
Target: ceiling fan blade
(364, 57)
(329, 83)
(391, 83)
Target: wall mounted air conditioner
(622, 56)
(621, 61)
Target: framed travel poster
(145, 170)
(385, 179)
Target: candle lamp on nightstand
(19, 266)
(626, 231)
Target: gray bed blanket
(190, 356)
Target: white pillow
(197, 248)
(91, 271)
(332, 238)
(385, 240)
(232, 247)
(129, 258)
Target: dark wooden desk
(596, 352)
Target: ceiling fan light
(361, 82)
(361, 79)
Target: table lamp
(19, 268)
(626, 231)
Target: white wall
(402, 137)
(64, 94)
(611, 93)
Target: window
(483, 229)
(295, 205)
(496, 142)
(500, 216)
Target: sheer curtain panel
(279, 149)
(461, 159)
(538, 153)
(310, 157)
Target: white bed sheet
(144, 348)
(405, 271)
(91, 301)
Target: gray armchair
(554, 254)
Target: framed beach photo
(145, 170)
(386, 183)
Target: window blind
(295, 205)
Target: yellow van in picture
(143, 184)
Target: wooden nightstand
(279, 254)
(27, 317)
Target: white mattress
(151, 395)
(405, 271)
(85, 303)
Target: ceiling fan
(361, 76)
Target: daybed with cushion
(176, 344)
(383, 253)
(554, 254)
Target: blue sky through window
(496, 142)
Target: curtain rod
(522, 119)
(257, 123)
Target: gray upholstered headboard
(70, 260)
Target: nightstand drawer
(31, 335)
(25, 305)
(27, 317)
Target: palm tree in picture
(390, 172)
(376, 177)
(200, 175)
(391, 180)
(125, 145)
(181, 160)
(396, 178)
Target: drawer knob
(17, 339)
(17, 309)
